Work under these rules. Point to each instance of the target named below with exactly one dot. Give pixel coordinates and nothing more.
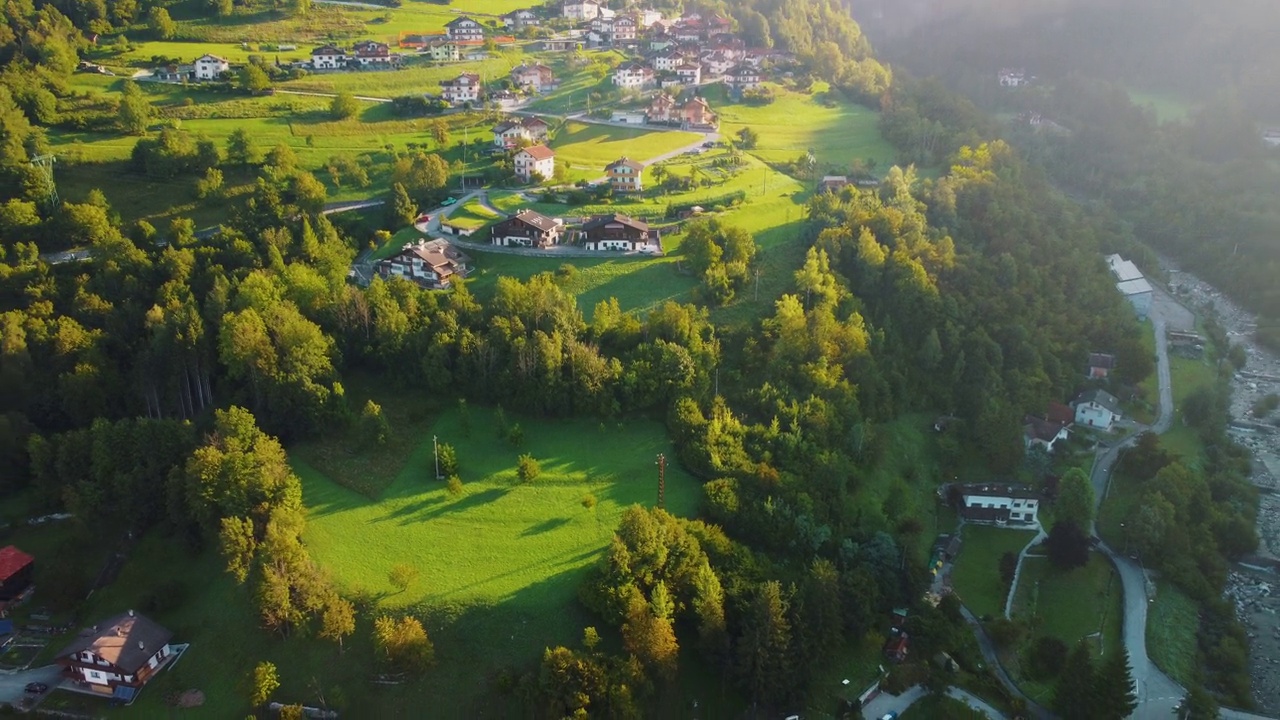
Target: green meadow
(976, 576)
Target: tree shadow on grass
(436, 506)
(545, 526)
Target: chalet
(510, 133)
(443, 50)
(896, 648)
(717, 25)
(118, 656)
(535, 161)
(669, 61)
(625, 175)
(1010, 78)
(662, 109)
(689, 74)
(997, 504)
(633, 75)
(1100, 366)
(1097, 408)
(580, 10)
(527, 229)
(329, 57)
(622, 30)
(1037, 431)
(432, 264)
(617, 232)
(370, 53)
(742, 77)
(521, 19)
(462, 89)
(833, 183)
(464, 28)
(537, 77)
(695, 114)
(717, 63)
(210, 67)
(17, 571)
(1131, 284)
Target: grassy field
(931, 707)
(1168, 107)
(472, 215)
(837, 133)
(586, 148)
(976, 576)
(1171, 633)
(1070, 605)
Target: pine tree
(402, 208)
(1074, 698)
(1114, 687)
(763, 650)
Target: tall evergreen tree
(1114, 688)
(1074, 696)
(764, 662)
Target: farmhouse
(17, 570)
(742, 77)
(622, 30)
(210, 67)
(1096, 408)
(464, 28)
(833, 183)
(431, 264)
(535, 160)
(997, 504)
(442, 50)
(617, 232)
(662, 109)
(173, 73)
(1131, 284)
(896, 648)
(625, 175)
(527, 229)
(537, 77)
(521, 19)
(580, 9)
(1041, 432)
(695, 114)
(462, 89)
(372, 53)
(329, 57)
(118, 656)
(633, 75)
(509, 133)
(1100, 366)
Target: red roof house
(17, 569)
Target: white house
(1131, 284)
(718, 62)
(622, 30)
(537, 77)
(689, 74)
(633, 75)
(1042, 432)
(432, 264)
(521, 19)
(210, 67)
(534, 160)
(1012, 78)
(1096, 408)
(625, 175)
(464, 28)
(742, 77)
(527, 229)
(646, 18)
(118, 656)
(669, 61)
(329, 57)
(580, 9)
(370, 53)
(462, 89)
(618, 232)
(998, 504)
(509, 133)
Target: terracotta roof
(127, 641)
(1059, 413)
(539, 152)
(12, 560)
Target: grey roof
(998, 490)
(1102, 360)
(1100, 397)
(602, 220)
(536, 219)
(1123, 269)
(1134, 287)
(127, 641)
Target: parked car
(891, 715)
(36, 688)
(449, 201)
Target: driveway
(884, 703)
(11, 686)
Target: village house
(646, 18)
(537, 78)
(717, 63)
(897, 647)
(173, 73)
(742, 77)
(1059, 413)
(668, 61)
(1131, 284)
(17, 572)
(1097, 408)
(535, 161)
(464, 28)
(370, 53)
(442, 50)
(625, 175)
(580, 10)
(689, 74)
(210, 67)
(1010, 78)
(1040, 432)
(521, 19)
(527, 229)
(118, 656)
(630, 117)
(623, 30)
(997, 504)
(662, 109)
(618, 232)
(509, 133)
(833, 183)
(695, 114)
(432, 264)
(329, 57)
(1100, 366)
(633, 76)
(462, 89)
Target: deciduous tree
(265, 680)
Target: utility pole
(435, 448)
(662, 479)
(45, 163)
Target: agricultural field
(976, 576)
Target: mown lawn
(1172, 622)
(472, 215)
(976, 576)
(586, 148)
(837, 133)
(1071, 605)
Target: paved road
(992, 659)
(366, 98)
(11, 685)
(884, 703)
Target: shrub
(527, 468)
(454, 486)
